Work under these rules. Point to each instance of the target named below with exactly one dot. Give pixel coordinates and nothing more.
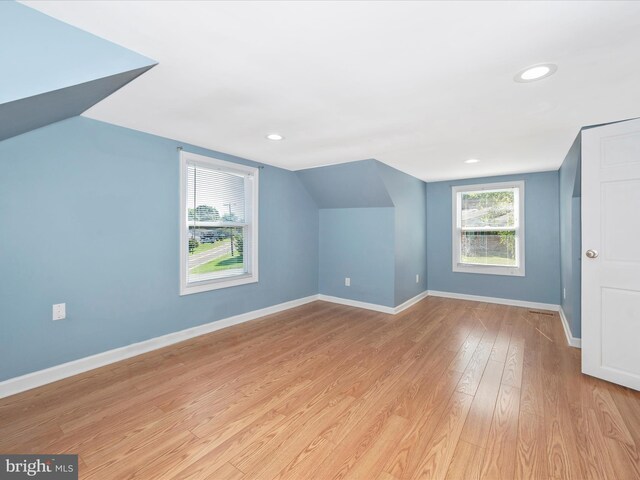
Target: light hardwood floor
(448, 389)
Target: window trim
(251, 199)
(456, 231)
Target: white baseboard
(501, 301)
(411, 302)
(374, 306)
(58, 372)
(571, 340)
(75, 367)
(355, 303)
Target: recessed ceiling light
(536, 72)
(275, 136)
(472, 160)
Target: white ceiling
(421, 86)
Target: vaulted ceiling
(421, 86)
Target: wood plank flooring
(448, 389)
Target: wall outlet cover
(59, 311)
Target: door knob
(592, 253)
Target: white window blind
(219, 237)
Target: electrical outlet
(564, 293)
(417, 278)
(347, 282)
(60, 311)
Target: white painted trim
(571, 340)
(501, 301)
(58, 372)
(411, 302)
(374, 306)
(457, 265)
(251, 185)
(355, 303)
(75, 367)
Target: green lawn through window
(489, 261)
(225, 262)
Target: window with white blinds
(219, 231)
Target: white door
(611, 253)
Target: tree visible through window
(219, 207)
(487, 228)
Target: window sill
(489, 270)
(209, 285)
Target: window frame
(519, 210)
(251, 175)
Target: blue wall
(358, 243)
(347, 185)
(355, 194)
(409, 197)
(90, 217)
(40, 54)
(542, 243)
(55, 71)
(570, 235)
